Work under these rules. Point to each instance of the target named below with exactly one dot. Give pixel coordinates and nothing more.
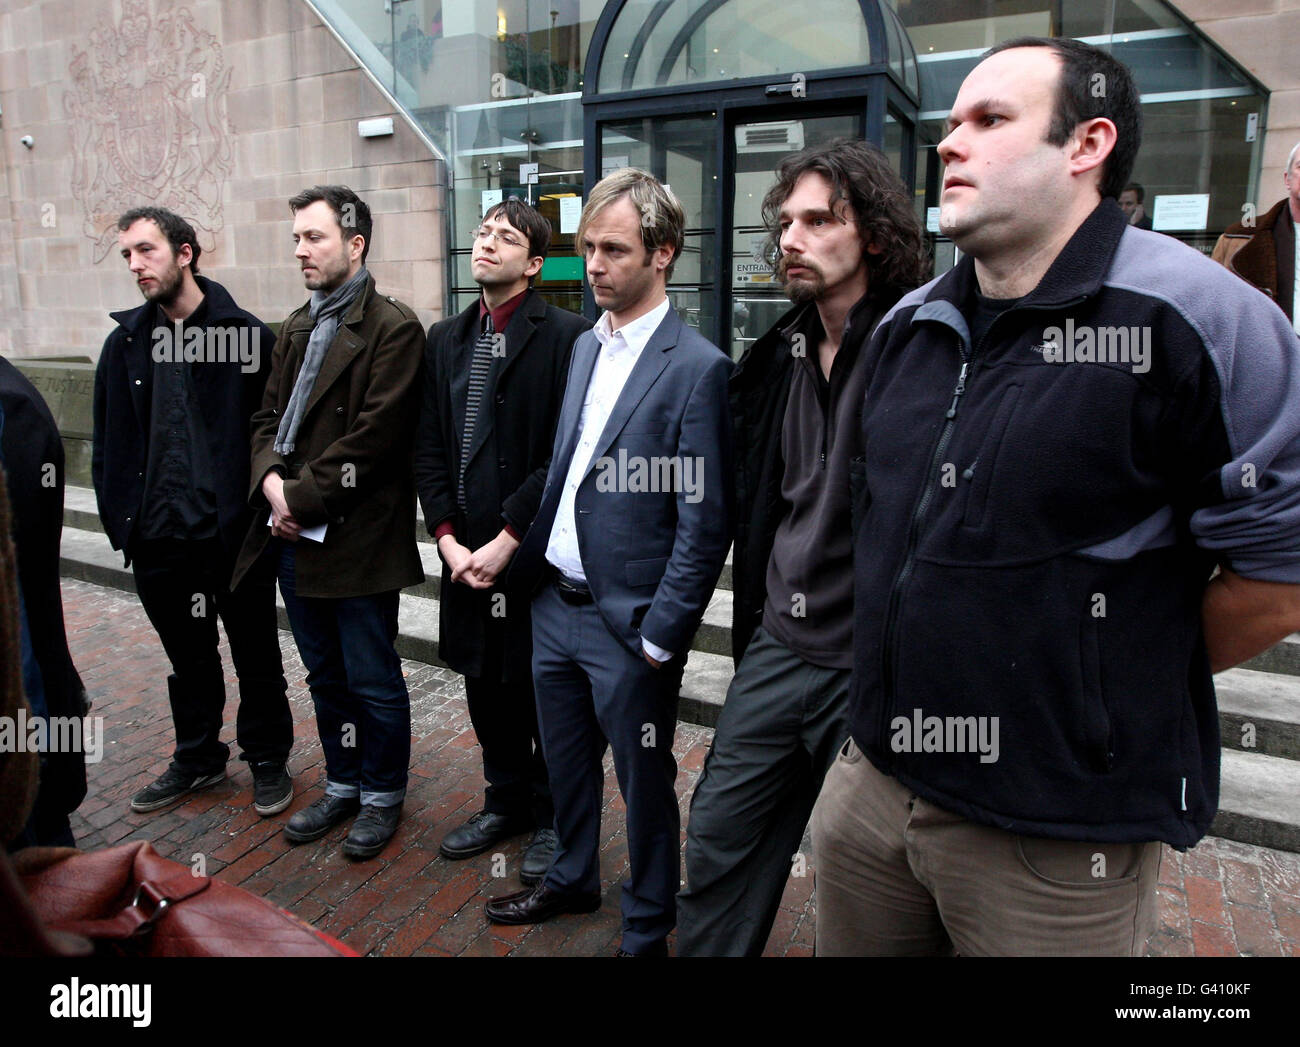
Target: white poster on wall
(491, 197)
(1182, 212)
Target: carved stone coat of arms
(148, 106)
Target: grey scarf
(325, 311)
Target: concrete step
(87, 555)
(80, 511)
(1259, 801)
(1283, 658)
(1260, 712)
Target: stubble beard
(168, 288)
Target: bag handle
(151, 902)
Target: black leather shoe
(311, 823)
(480, 833)
(537, 856)
(539, 903)
(372, 830)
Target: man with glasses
(494, 381)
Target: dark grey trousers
(783, 722)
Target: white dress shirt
(619, 352)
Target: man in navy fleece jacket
(1063, 437)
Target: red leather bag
(128, 900)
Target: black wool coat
(488, 633)
(31, 442)
(227, 393)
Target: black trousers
(504, 716)
(783, 722)
(183, 586)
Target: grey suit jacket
(654, 509)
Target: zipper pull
(961, 388)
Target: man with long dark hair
(848, 246)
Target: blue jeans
(363, 709)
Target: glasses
(484, 233)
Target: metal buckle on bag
(152, 896)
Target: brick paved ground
(1222, 898)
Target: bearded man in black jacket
(177, 382)
(849, 246)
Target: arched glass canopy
(654, 44)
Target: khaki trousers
(898, 876)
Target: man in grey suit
(622, 558)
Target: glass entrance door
(679, 151)
(758, 142)
(720, 164)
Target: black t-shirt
(986, 311)
(179, 498)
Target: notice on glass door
(570, 212)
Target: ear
(661, 256)
(534, 265)
(874, 248)
(185, 255)
(1094, 140)
(355, 246)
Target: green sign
(562, 269)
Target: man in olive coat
(494, 382)
(332, 468)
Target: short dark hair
(1138, 191)
(350, 211)
(178, 231)
(1077, 100)
(527, 219)
(860, 174)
